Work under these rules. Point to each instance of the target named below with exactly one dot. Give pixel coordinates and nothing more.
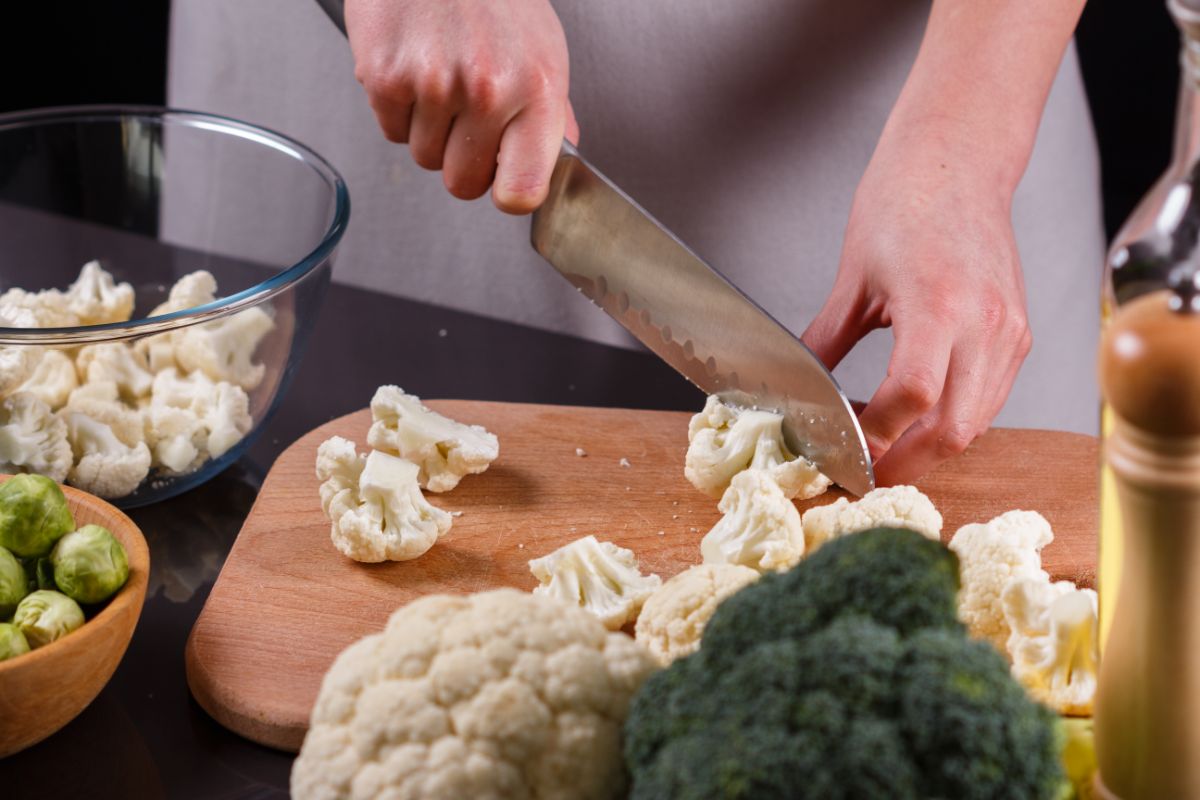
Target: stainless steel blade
(693, 318)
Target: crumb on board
(624, 462)
(628, 488)
(520, 545)
(662, 533)
(579, 451)
(674, 516)
(456, 513)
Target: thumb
(838, 326)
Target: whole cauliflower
(33, 438)
(52, 380)
(375, 506)
(105, 465)
(891, 507)
(723, 441)
(445, 450)
(95, 298)
(990, 555)
(493, 696)
(599, 577)
(761, 528)
(1054, 642)
(673, 618)
(224, 349)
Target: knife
(689, 314)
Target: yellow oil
(1111, 543)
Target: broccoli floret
(895, 576)
(887, 698)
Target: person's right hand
(477, 88)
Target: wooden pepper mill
(1148, 701)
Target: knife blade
(693, 318)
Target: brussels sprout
(33, 515)
(89, 564)
(45, 616)
(12, 641)
(13, 583)
(40, 573)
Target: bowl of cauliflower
(161, 271)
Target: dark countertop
(144, 736)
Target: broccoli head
(847, 677)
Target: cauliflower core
(599, 577)
(990, 555)
(493, 696)
(673, 618)
(892, 507)
(444, 450)
(723, 441)
(1054, 642)
(375, 506)
(761, 528)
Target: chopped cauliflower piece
(17, 362)
(375, 505)
(116, 362)
(52, 380)
(673, 618)
(33, 438)
(761, 528)
(192, 418)
(723, 441)
(492, 696)
(100, 400)
(105, 465)
(95, 298)
(990, 555)
(891, 507)
(193, 289)
(224, 349)
(444, 450)
(48, 307)
(1053, 642)
(597, 576)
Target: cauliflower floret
(673, 618)
(599, 577)
(761, 528)
(104, 464)
(723, 441)
(224, 349)
(95, 298)
(445, 450)
(176, 438)
(32, 438)
(194, 289)
(17, 362)
(52, 380)
(48, 307)
(100, 400)
(375, 505)
(1053, 642)
(116, 362)
(190, 419)
(892, 507)
(990, 555)
(491, 696)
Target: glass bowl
(153, 195)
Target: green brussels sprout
(45, 616)
(89, 564)
(33, 515)
(13, 583)
(12, 641)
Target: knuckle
(993, 312)
(435, 86)
(953, 439)
(918, 388)
(484, 88)
(1026, 343)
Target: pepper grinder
(1148, 701)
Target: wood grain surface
(286, 602)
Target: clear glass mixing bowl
(154, 194)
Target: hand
(929, 251)
(476, 89)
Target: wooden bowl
(46, 688)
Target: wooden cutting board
(286, 602)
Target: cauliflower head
(673, 618)
(375, 506)
(52, 380)
(492, 696)
(599, 577)
(891, 507)
(116, 362)
(1054, 642)
(761, 528)
(444, 450)
(33, 438)
(105, 465)
(990, 555)
(95, 298)
(723, 441)
(224, 348)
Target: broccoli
(847, 677)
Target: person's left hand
(929, 251)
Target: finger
(915, 381)
(394, 115)
(529, 147)
(431, 120)
(470, 162)
(1007, 377)
(948, 429)
(838, 326)
(572, 131)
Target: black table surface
(144, 735)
